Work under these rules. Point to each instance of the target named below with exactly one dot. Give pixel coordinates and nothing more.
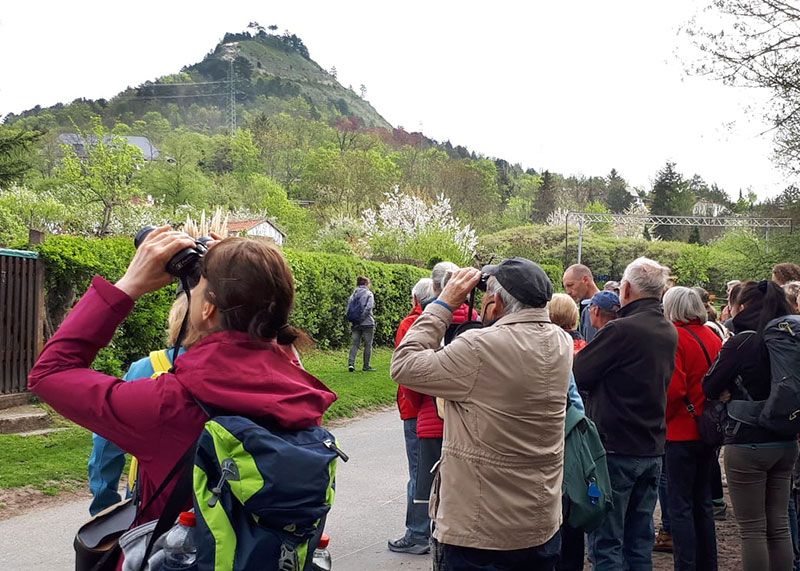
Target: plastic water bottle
(180, 549)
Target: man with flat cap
(496, 500)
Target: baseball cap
(523, 279)
(606, 300)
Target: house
(256, 227)
(710, 209)
(78, 144)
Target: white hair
(423, 291)
(510, 303)
(439, 275)
(683, 304)
(647, 277)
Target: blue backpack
(355, 308)
(260, 495)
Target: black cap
(523, 279)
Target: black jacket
(625, 371)
(745, 356)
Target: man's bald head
(579, 282)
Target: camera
(184, 264)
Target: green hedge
(323, 282)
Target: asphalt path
(369, 509)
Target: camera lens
(142, 234)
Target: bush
(323, 282)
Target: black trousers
(456, 558)
(690, 511)
(572, 549)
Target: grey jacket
(505, 386)
(361, 292)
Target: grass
(57, 461)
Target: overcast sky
(574, 87)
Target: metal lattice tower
(665, 220)
(231, 97)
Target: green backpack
(587, 486)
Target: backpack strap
(160, 362)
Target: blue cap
(606, 300)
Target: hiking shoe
(720, 511)
(351, 368)
(403, 545)
(663, 542)
(369, 369)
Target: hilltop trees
(546, 199)
(618, 199)
(671, 195)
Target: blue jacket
(107, 461)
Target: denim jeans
(625, 538)
(418, 524)
(663, 499)
(688, 468)
(360, 332)
(456, 558)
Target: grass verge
(57, 461)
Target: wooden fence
(21, 313)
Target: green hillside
(272, 74)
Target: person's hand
(148, 270)
(458, 287)
(725, 396)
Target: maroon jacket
(157, 420)
(429, 425)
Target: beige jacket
(499, 481)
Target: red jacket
(429, 425)
(690, 368)
(157, 420)
(408, 407)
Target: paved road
(369, 509)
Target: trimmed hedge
(323, 283)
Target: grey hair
(439, 275)
(423, 291)
(683, 304)
(511, 303)
(792, 290)
(648, 277)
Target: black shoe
(369, 369)
(351, 368)
(403, 545)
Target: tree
(362, 90)
(618, 199)
(756, 43)
(15, 153)
(671, 195)
(333, 72)
(105, 176)
(546, 199)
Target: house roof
(149, 150)
(246, 225)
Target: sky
(573, 87)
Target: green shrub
(323, 283)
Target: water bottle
(180, 549)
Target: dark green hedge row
(323, 282)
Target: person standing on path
(688, 459)
(579, 285)
(416, 539)
(625, 371)
(496, 499)
(359, 313)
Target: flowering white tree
(414, 226)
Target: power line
(185, 83)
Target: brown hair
(361, 280)
(786, 272)
(252, 287)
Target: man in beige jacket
(496, 500)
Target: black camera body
(184, 264)
(482, 284)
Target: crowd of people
(645, 357)
(483, 399)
